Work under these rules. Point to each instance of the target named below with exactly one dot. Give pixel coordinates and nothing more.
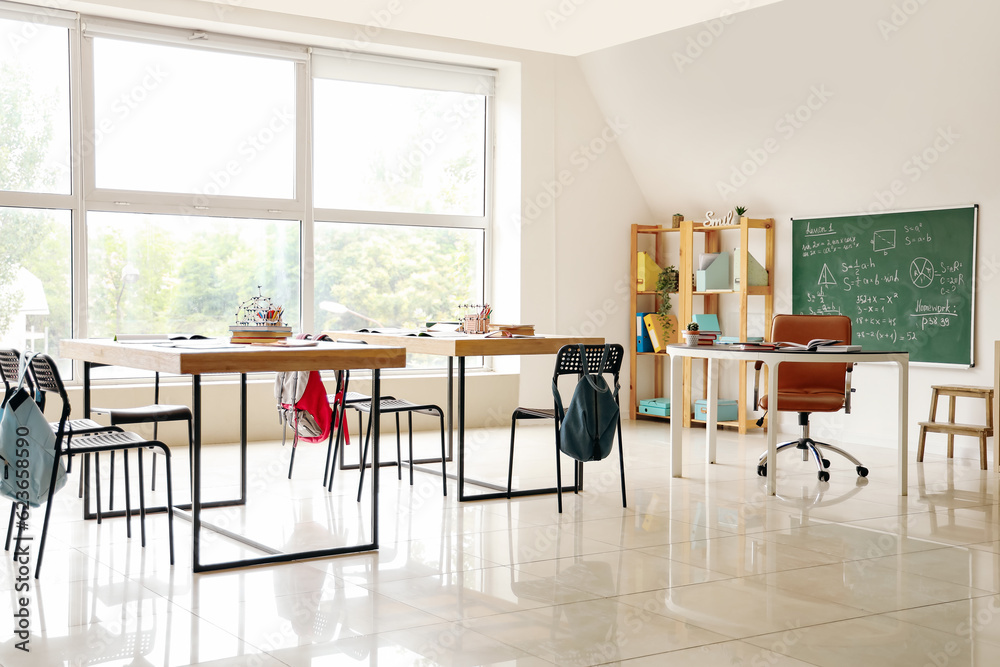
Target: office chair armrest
(756, 384)
(847, 389)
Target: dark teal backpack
(587, 427)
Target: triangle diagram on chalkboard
(826, 277)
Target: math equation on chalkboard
(906, 279)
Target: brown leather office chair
(807, 388)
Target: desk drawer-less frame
(204, 357)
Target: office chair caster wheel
(824, 476)
(762, 470)
(862, 471)
(826, 463)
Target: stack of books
(515, 329)
(707, 338)
(267, 334)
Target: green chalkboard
(906, 279)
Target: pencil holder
(472, 324)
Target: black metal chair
(10, 367)
(568, 363)
(344, 399)
(147, 414)
(46, 379)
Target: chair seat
(806, 402)
(146, 413)
(106, 439)
(393, 405)
(534, 413)
(80, 426)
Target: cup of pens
(477, 319)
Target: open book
(811, 346)
(157, 338)
(815, 345)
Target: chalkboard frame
(866, 220)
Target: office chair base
(810, 446)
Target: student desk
(197, 358)
(461, 347)
(771, 359)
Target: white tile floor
(703, 570)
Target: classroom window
(34, 108)
(193, 150)
(395, 276)
(193, 121)
(392, 148)
(175, 274)
(35, 286)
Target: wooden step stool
(954, 391)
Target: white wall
(557, 269)
(883, 84)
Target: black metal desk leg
(461, 428)
(243, 438)
(196, 473)
(376, 416)
(450, 406)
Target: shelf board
(649, 416)
(716, 291)
(656, 230)
(651, 354)
(750, 423)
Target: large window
(390, 148)
(170, 273)
(35, 286)
(153, 178)
(175, 119)
(34, 107)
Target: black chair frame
(568, 362)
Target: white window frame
(86, 197)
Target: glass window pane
(173, 119)
(177, 274)
(34, 108)
(35, 270)
(395, 276)
(386, 148)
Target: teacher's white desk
(772, 359)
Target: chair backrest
(568, 360)
(47, 380)
(811, 378)
(10, 368)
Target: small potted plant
(740, 210)
(666, 285)
(691, 335)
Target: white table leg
(904, 402)
(772, 427)
(711, 422)
(676, 414)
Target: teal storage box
(728, 410)
(655, 406)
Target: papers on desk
(156, 338)
(199, 344)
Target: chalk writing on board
(904, 278)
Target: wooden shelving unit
(684, 237)
(710, 300)
(662, 237)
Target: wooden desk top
(232, 358)
(472, 346)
